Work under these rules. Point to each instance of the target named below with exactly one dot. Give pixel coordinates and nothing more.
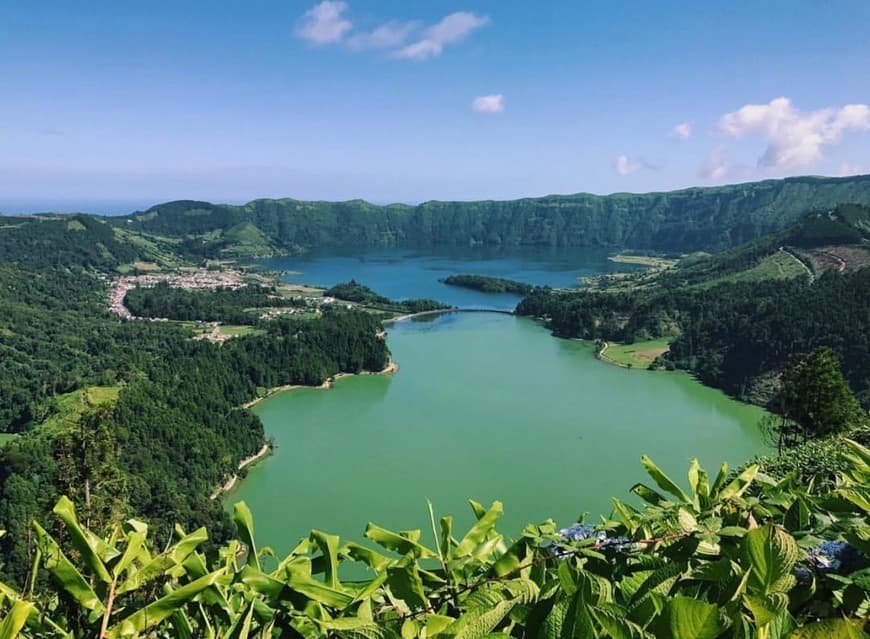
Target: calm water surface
(484, 406)
(406, 273)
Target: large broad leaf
(858, 454)
(374, 560)
(699, 483)
(161, 564)
(85, 542)
(797, 517)
(435, 624)
(617, 626)
(648, 494)
(245, 525)
(577, 623)
(262, 583)
(686, 618)
(402, 543)
(721, 478)
(318, 591)
(242, 627)
(328, 545)
(663, 481)
(479, 622)
(660, 581)
(355, 628)
(626, 514)
(135, 549)
(447, 541)
(484, 526)
(15, 620)
(513, 560)
(405, 583)
(740, 483)
(858, 495)
(771, 554)
(8, 592)
(154, 613)
(767, 609)
(831, 629)
(71, 580)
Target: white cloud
(716, 167)
(390, 34)
(488, 103)
(847, 168)
(449, 30)
(626, 165)
(682, 131)
(794, 138)
(324, 23)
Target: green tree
(815, 401)
(88, 463)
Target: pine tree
(815, 401)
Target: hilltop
(692, 220)
(736, 318)
(696, 219)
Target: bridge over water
(444, 311)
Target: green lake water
(484, 406)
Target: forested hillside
(733, 321)
(233, 306)
(138, 419)
(171, 428)
(731, 556)
(709, 219)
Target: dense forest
(137, 419)
(174, 431)
(353, 291)
(230, 305)
(726, 555)
(487, 284)
(732, 335)
(709, 219)
(698, 219)
(63, 241)
(732, 331)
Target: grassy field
(778, 266)
(158, 250)
(294, 290)
(637, 355)
(238, 331)
(650, 261)
(5, 438)
(71, 405)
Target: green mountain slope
(708, 219)
(835, 238)
(736, 318)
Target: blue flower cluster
(830, 557)
(579, 532)
(834, 556)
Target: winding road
(799, 261)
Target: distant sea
(100, 207)
(114, 207)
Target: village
(309, 302)
(198, 280)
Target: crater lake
(483, 406)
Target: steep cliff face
(709, 219)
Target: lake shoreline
(463, 384)
(228, 485)
(390, 369)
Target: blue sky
(118, 104)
